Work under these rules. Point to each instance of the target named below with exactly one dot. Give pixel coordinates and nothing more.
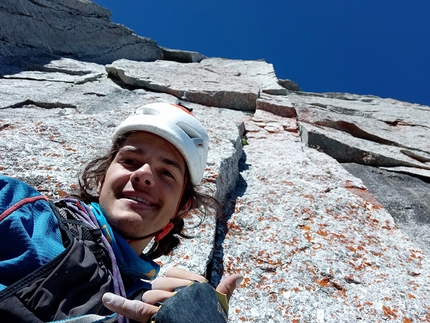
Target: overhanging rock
(232, 84)
(40, 30)
(346, 148)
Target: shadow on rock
(215, 268)
(405, 197)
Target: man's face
(143, 185)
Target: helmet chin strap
(160, 234)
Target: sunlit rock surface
(315, 242)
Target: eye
(128, 161)
(168, 174)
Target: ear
(184, 209)
(100, 185)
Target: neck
(139, 245)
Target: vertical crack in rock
(216, 266)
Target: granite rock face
(43, 29)
(325, 195)
(313, 243)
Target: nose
(143, 175)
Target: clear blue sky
(376, 47)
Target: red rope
(21, 203)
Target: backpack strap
(75, 209)
(79, 229)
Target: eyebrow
(164, 160)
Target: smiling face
(143, 185)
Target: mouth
(139, 199)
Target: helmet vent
(199, 142)
(148, 111)
(188, 130)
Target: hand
(142, 311)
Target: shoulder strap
(82, 212)
(71, 224)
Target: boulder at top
(43, 29)
(226, 83)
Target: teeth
(140, 200)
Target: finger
(169, 283)
(229, 284)
(135, 310)
(155, 296)
(181, 273)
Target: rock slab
(313, 244)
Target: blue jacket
(29, 232)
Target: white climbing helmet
(178, 126)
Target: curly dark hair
(94, 172)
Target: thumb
(135, 310)
(229, 284)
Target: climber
(131, 200)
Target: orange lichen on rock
(389, 312)
(364, 194)
(325, 282)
